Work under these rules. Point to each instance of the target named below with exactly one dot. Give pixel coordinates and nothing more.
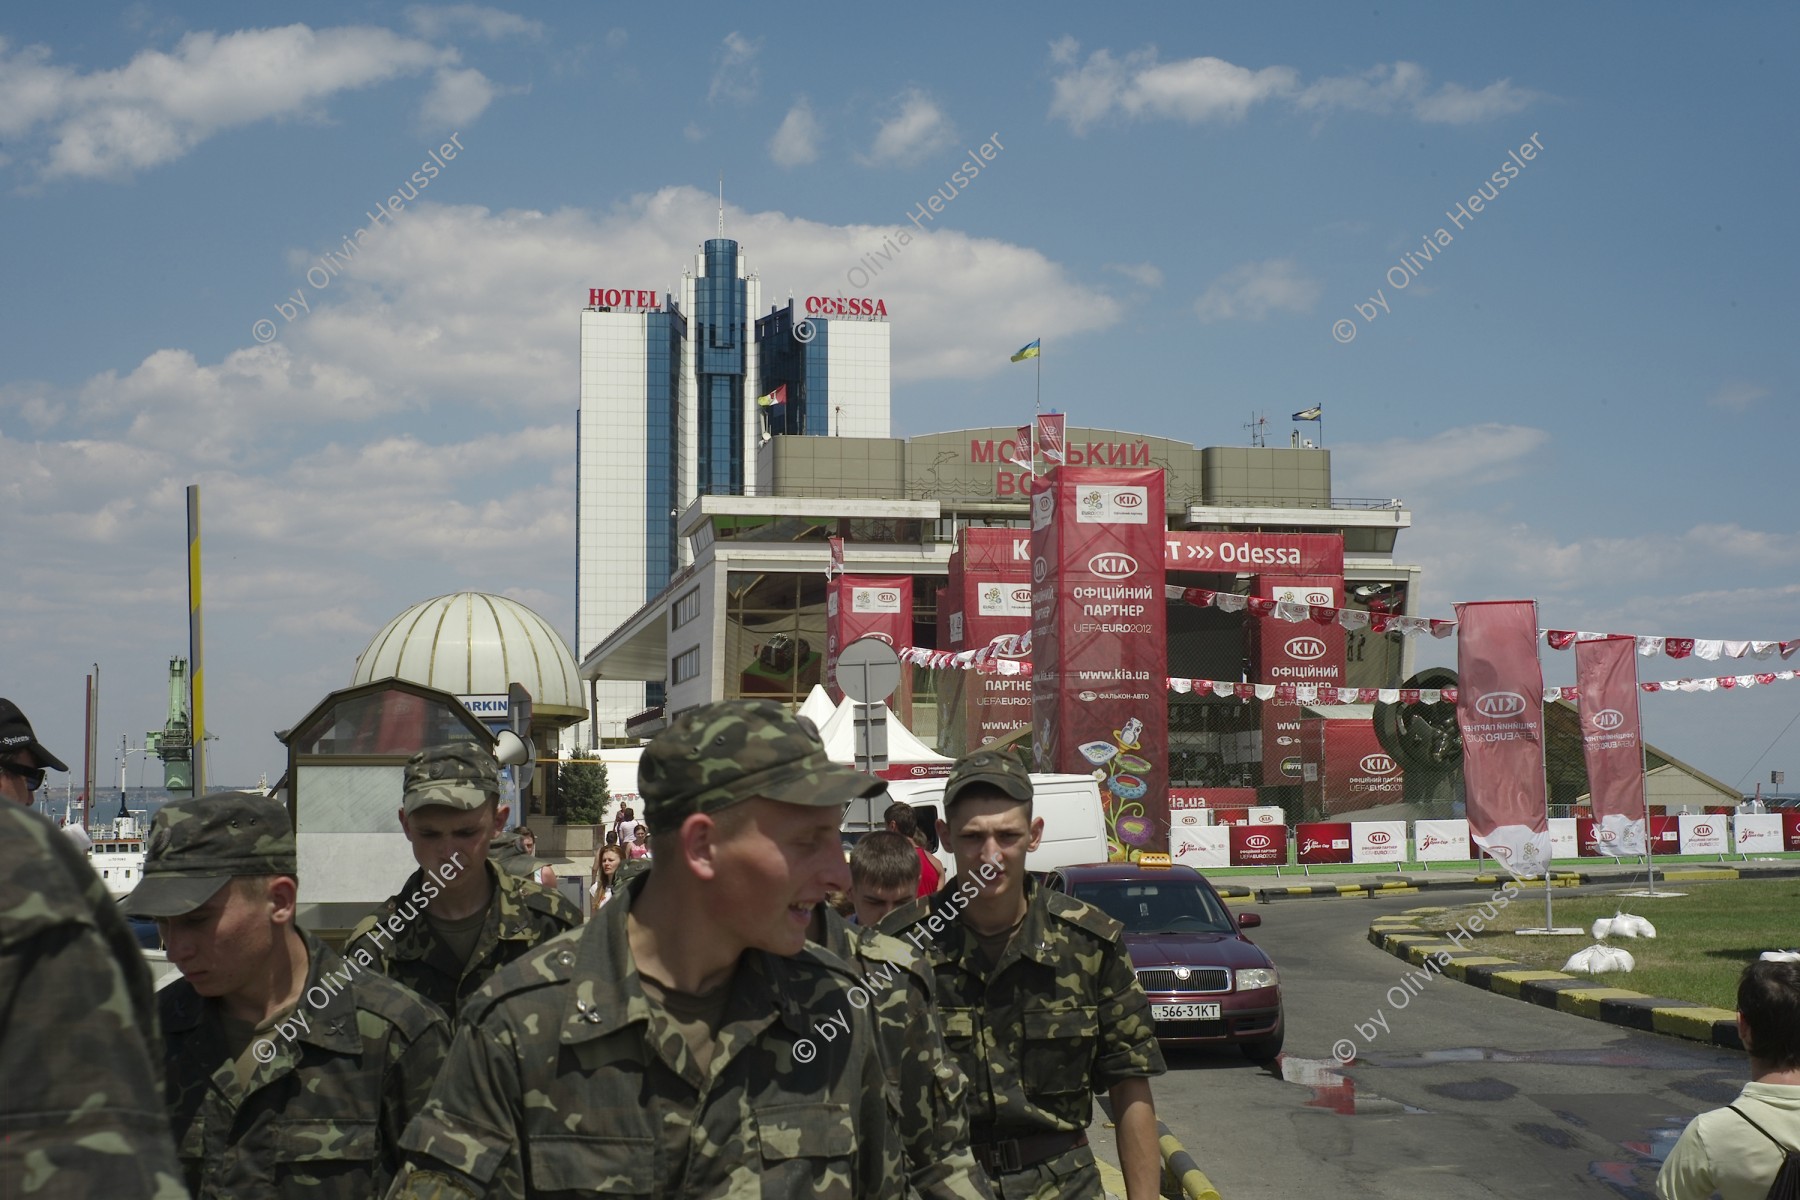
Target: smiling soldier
(679, 1044)
(1041, 1006)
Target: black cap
(15, 734)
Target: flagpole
(1037, 404)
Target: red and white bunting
(1710, 649)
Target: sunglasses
(33, 776)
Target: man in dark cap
(81, 1110)
(23, 758)
(687, 1041)
(1019, 966)
(292, 1070)
(458, 918)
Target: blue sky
(1586, 397)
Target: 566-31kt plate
(1184, 1012)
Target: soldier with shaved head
(686, 1041)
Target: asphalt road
(1464, 1094)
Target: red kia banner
(870, 606)
(1606, 673)
(1100, 642)
(1258, 554)
(1790, 829)
(1351, 772)
(1259, 845)
(1323, 842)
(1665, 835)
(1051, 438)
(994, 597)
(1500, 708)
(1285, 652)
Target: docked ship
(117, 855)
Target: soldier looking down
(457, 919)
(292, 1071)
(1041, 1007)
(686, 1041)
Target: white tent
(818, 707)
(839, 733)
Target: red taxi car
(1208, 984)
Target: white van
(1074, 824)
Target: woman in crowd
(606, 868)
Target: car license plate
(1184, 1012)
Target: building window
(686, 609)
(686, 666)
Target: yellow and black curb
(1402, 937)
(1180, 1169)
(1401, 885)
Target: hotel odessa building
(669, 412)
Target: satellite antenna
(1259, 429)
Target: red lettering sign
(1256, 553)
(624, 298)
(845, 306)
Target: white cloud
(1738, 396)
(736, 78)
(796, 143)
(160, 105)
(905, 138)
(616, 39)
(491, 23)
(1443, 463)
(456, 98)
(1147, 274)
(1139, 86)
(1254, 290)
(408, 436)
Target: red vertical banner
(1611, 739)
(1100, 643)
(1289, 652)
(1052, 434)
(994, 589)
(870, 606)
(1500, 708)
(837, 557)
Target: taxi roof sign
(1153, 860)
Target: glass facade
(720, 302)
(803, 366)
(662, 448)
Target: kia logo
(1378, 764)
(1088, 697)
(1258, 841)
(1265, 819)
(887, 597)
(1113, 565)
(1305, 648)
(1021, 595)
(1703, 831)
(1501, 704)
(1608, 718)
(1607, 835)
(1500, 852)
(1128, 500)
(1041, 505)
(1322, 599)
(882, 636)
(1040, 568)
(1380, 837)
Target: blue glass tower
(720, 359)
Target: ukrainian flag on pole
(1029, 350)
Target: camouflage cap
(718, 754)
(997, 769)
(455, 775)
(197, 846)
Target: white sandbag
(1602, 927)
(1781, 956)
(1626, 925)
(1596, 960)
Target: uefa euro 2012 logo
(1092, 501)
(993, 597)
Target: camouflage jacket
(563, 1082)
(522, 915)
(81, 1110)
(326, 1103)
(1060, 1017)
(934, 1127)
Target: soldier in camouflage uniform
(1040, 1004)
(292, 1071)
(81, 1110)
(458, 918)
(687, 1041)
(898, 990)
